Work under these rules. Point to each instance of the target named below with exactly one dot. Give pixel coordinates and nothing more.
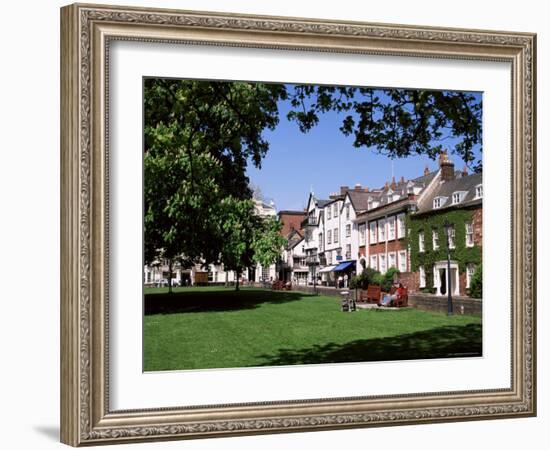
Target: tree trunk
(169, 276)
(238, 273)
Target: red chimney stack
(447, 167)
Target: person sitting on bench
(389, 298)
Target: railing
(312, 260)
(309, 221)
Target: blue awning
(343, 266)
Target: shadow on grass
(441, 342)
(220, 300)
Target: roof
(294, 238)
(360, 199)
(291, 220)
(288, 212)
(463, 183)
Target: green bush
(387, 279)
(362, 281)
(476, 283)
(371, 276)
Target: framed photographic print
(276, 224)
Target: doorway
(441, 280)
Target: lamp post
(448, 227)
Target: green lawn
(198, 328)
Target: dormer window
(479, 191)
(458, 197)
(439, 202)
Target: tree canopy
(396, 122)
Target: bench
(280, 285)
(371, 295)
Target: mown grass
(199, 328)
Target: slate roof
(464, 183)
(360, 199)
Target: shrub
(378, 279)
(387, 279)
(362, 281)
(476, 283)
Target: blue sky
(323, 160)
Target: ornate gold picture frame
(87, 31)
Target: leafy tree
(267, 242)
(198, 138)
(237, 230)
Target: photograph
(292, 224)
(310, 220)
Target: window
(470, 270)
(391, 228)
(457, 197)
(421, 241)
(265, 273)
(374, 262)
(329, 212)
(335, 212)
(348, 251)
(347, 212)
(382, 263)
(372, 231)
(329, 237)
(335, 235)
(469, 234)
(435, 239)
(403, 261)
(381, 230)
(439, 202)
(329, 258)
(422, 273)
(392, 259)
(302, 262)
(348, 230)
(400, 226)
(479, 191)
(321, 242)
(452, 237)
(362, 230)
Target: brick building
(455, 201)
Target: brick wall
(410, 280)
(461, 305)
(395, 245)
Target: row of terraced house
(404, 225)
(399, 225)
